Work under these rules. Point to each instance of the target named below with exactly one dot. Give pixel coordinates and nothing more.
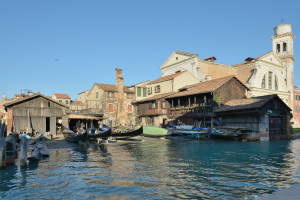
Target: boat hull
(128, 134)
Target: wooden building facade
(195, 104)
(35, 114)
(152, 110)
(264, 118)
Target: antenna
(282, 21)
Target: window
(276, 83)
(144, 92)
(110, 94)
(157, 89)
(278, 48)
(176, 58)
(60, 101)
(111, 107)
(129, 95)
(139, 91)
(67, 102)
(152, 105)
(164, 104)
(284, 48)
(48, 104)
(270, 80)
(97, 95)
(263, 82)
(130, 108)
(149, 90)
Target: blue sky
(65, 46)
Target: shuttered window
(130, 108)
(110, 107)
(139, 92)
(144, 92)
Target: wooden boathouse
(36, 113)
(263, 118)
(195, 104)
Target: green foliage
(217, 98)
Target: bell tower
(283, 47)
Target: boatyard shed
(195, 104)
(36, 113)
(264, 118)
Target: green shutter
(144, 92)
(139, 91)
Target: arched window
(276, 83)
(263, 82)
(270, 80)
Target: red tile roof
(203, 87)
(250, 103)
(155, 97)
(77, 103)
(61, 96)
(108, 87)
(169, 77)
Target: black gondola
(127, 134)
(104, 134)
(70, 136)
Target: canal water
(158, 169)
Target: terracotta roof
(169, 77)
(61, 96)
(250, 103)
(32, 97)
(204, 87)
(155, 97)
(108, 87)
(77, 103)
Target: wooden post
(2, 147)
(23, 151)
(189, 102)
(178, 102)
(172, 103)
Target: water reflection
(158, 169)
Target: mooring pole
(23, 152)
(2, 147)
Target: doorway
(47, 124)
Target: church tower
(283, 47)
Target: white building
(271, 73)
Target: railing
(191, 111)
(153, 111)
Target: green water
(158, 169)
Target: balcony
(200, 111)
(152, 112)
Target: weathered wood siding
(38, 109)
(233, 89)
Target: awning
(75, 116)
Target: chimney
(210, 59)
(119, 81)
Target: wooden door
(275, 128)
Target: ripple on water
(158, 169)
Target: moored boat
(104, 133)
(71, 136)
(152, 131)
(121, 135)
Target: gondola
(127, 134)
(71, 136)
(103, 134)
